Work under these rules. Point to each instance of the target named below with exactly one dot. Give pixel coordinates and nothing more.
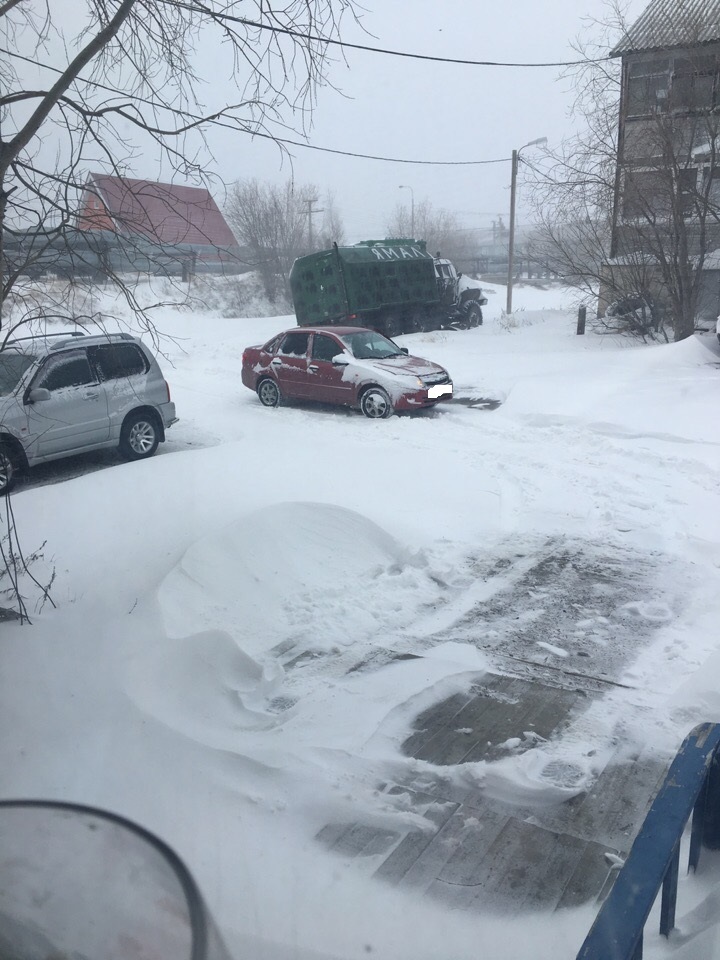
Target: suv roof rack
(95, 337)
(45, 336)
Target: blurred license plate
(440, 390)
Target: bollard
(582, 311)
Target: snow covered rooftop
(672, 23)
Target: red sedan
(352, 366)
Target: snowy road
(250, 624)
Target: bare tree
(629, 209)
(129, 84)
(272, 222)
(98, 87)
(439, 228)
(333, 229)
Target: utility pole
(403, 186)
(511, 236)
(541, 141)
(310, 220)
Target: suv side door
(122, 368)
(76, 414)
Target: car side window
(295, 344)
(68, 369)
(324, 348)
(117, 360)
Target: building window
(694, 83)
(648, 87)
(714, 195)
(651, 194)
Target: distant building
(176, 224)
(668, 170)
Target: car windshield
(367, 345)
(12, 367)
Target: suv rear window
(116, 360)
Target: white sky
(398, 107)
(405, 108)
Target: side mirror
(80, 882)
(38, 394)
(459, 275)
(341, 360)
(404, 350)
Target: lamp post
(541, 141)
(403, 186)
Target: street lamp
(402, 186)
(541, 141)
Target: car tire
(9, 468)
(376, 404)
(139, 437)
(269, 393)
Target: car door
(326, 380)
(290, 364)
(123, 371)
(76, 414)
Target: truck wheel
(474, 315)
(376, 404)
(393, 327)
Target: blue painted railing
(691, 787)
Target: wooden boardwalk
(480, 852)
(483, 854)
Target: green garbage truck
(394, 286)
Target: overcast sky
(409, 108)
(405, 108)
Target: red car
(352, 366)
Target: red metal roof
(162, 212)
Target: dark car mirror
(39, 393)
(404, 350)
(85, 883)
(341, 360)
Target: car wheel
(139, 437)
(8, 469)
(474, 315)
(269, 393)
(376, 404)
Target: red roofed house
(160, 214)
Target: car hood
(404, 366)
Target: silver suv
(63, 394)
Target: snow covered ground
(157, 688)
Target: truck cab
(447, 281)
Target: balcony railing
(691, 788)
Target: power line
(287, 31)
(268, 136)
(370, 156)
